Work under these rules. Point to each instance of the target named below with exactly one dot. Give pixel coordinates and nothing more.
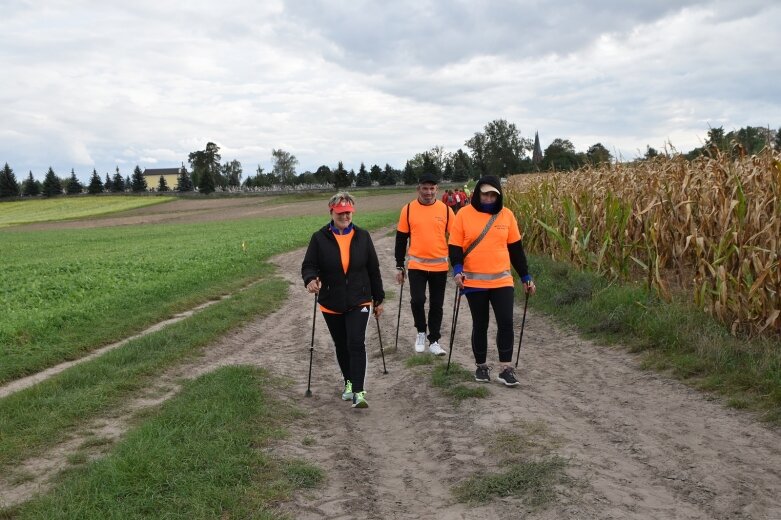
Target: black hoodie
(493, 181)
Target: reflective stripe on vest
(484, 276)
(427, 260)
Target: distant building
(537, 153)
(152, 177)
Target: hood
(493, 181)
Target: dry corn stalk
(712, 225)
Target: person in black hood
(484, 243)
(341, 266)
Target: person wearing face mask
(484, 243)
(423, 224)
(341, 266)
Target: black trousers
(501, 300)
(348, 331)
(436, 280)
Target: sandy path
(638, 445)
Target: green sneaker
(347, 395)
(359, 400)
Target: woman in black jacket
(341, 266)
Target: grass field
(67, 208)
(67, 292)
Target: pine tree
(206, 182)
(341, 178)
(363, 179)
(118, 184)
(8, 185)
(138, 183)
(162, 185)
(95, 184)
(31, 187)
(108, 186)
(389, 176)
(74, 187)
(51, 184)
(375, 173)
(184, 182)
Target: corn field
(710, 226)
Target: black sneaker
(483, 374)
(507, 376)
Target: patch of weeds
(308, 441)
(419, 360)
(578, 289)
(302, 475)
(525, 438)
(95, 441)
(20, 477)
(78, 458)
(533, 481)
(450, 382)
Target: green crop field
(67, 292)
(67, 208)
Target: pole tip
(309, 393)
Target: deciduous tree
(206, 160)
(499, 149)
(284, 166)
(597, 154)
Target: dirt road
(637, 445)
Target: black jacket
(340, 292)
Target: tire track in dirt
(638, 445)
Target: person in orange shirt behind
(423, 224)
(484, 242)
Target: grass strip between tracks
(201, 456)
(43, 415)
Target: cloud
(89, 84)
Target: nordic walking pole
(398, 317)
(379, 335)
(523, 322)
(311, 349)
(456, 305)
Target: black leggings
(348, 331)
(501, 300)
(437, 280)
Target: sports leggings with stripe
(501, 300)
(348, 331)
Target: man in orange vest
(422, 225)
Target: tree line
(499, 149)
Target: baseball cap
(485, 188)
(428, 177)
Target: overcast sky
(98, 84)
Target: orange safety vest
(426, 226)
(487, 266)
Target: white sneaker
(435, 349)
(420, 343)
